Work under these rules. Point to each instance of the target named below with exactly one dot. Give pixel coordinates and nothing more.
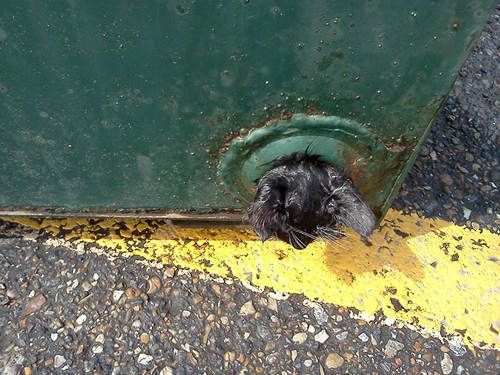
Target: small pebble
(86, 286)
(321, 337)
(59, 360)
(144, 338)
(230, 356)
(272, 304)
(348, 356)
(144, 359)
(446, 179)
(341, 336)
(428, 357)
(457, 348)
(154, 284)
(100, 338)
(167, 371)
(117, 294)
(97, 349)
(34, 304)
(446, 364)
(320, 315)
(247, 308)
(334, 360)
(363, 337)
(392, 347)
(417, 346)
(299, 338)
(81, 319)
(11, 293)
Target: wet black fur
(302, 198)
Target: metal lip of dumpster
(349, 146)
(229, 216)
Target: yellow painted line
(430, 273)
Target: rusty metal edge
(220, 217)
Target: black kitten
(302, 198)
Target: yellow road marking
(427, 272)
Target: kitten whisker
(331, 238)
(297, 239)
(335, 242)
(302, 232)
(332, 230)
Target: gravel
(148, 330)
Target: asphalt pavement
(69, 307)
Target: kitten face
(303, 198)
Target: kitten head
(302, 198)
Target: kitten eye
(330, 205)
(292, 201)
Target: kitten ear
(265, 212)
(349, 208)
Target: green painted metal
(112, 105)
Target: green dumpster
(174, 108)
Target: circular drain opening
(344, 143)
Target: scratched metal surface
(113, 105)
